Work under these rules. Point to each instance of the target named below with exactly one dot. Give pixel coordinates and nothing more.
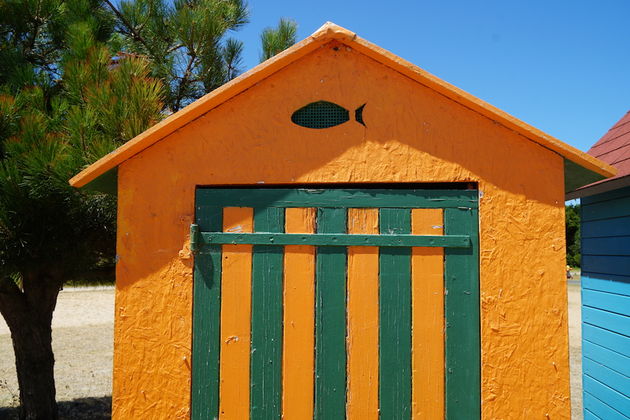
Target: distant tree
(66, 98)
(185, 41)
(276, 40)
(572, 216)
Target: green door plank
(329, 239)
(266, 345)
(395, 319)
(206, 325)
(309, 197)
(330, 320)
(462, 347)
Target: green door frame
(461, 275)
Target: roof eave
(599, 187)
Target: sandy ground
(575, 347)
(82, 341)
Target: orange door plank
(299, 318)
(235, 318)
(427, 295)
(363, 263)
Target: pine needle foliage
(276, 40)
(52, 128)
(186, 41)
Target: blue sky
(561, 66)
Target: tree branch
(184, 81)
(174, 48)
(130, 27)
(37, 24)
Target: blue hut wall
(606, 304)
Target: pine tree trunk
(28, 314)
(34, 361)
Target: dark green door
(248, 322)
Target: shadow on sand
(93, 408)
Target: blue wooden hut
(605, 233)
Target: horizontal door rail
(200, 239)
(336, 198)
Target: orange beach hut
(339, 234)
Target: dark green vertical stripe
(206, 320)
(266, 345)
(330, 320)
(395, 319)
(461, 271)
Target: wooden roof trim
(326, 33)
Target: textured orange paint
(299, 319)
(236, 284)
(414, 134)
(427, 340)
(362, 400)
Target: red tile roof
(614, 147)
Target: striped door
(334, 304)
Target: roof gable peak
(326, 33)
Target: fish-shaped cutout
(324, 114)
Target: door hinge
(194, 238)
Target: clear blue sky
(561, 66)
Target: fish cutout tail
(358, 115)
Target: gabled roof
(614, 149)
(580, 168)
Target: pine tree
(66, 99)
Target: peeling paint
(231, 339)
